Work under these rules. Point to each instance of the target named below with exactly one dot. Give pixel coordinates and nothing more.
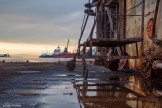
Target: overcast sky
(41, 21)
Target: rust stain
(150, 28)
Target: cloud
(33, 29)
(42, 21)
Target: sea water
(10, 59)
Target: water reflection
(139, 93)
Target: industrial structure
(126, 33)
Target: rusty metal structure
(119, 34)
(137, 94)
(113, 95)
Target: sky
(31, 26)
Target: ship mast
(67, 45)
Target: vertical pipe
(125, 18)
(142, 27)
(97, 26)
(116, 30)
(137, 49)
(119, 19)
(155, 17)
(82, 31)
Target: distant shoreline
(37, 60)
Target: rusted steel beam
(104, 90)
(120, 14)
(131, 91)
(98, 57)
(82, 31)
(104, 99)
(113, 65)
(155, 17)
(108, 2)
(106, 84)
(112, 42)
(85, 69)
(137, 49)
(111, 1)
(142, 25)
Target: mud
(52, 86)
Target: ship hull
(63, 56)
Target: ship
(65, 54)
(4, 55)
(45, 55)
(58, 54)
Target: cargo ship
(58, 54)
(65, 54)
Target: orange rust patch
(150, 28)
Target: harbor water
(10, 59)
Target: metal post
(142, 27)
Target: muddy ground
(50, 85)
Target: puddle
(112, 94)
(70, 75)
(61, 101)
(60, 96)
(60, 89)
(32, 88)
(34, 83)
(5, 79)
(28, 72)
(3, 94)
(28, 94)
(61, 105)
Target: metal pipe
(82, 31)
(157, 65)
(135, 6)
(118, 14)
(155, 17)
(142, 27)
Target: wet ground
(48, 85)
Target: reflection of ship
(4, 55)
